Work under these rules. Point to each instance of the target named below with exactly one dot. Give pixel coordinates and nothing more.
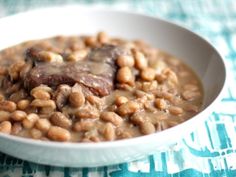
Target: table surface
(211, 149)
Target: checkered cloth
(211, 150)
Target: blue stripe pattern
(208, 152)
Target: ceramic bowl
(192, 49)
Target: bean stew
(93, 89)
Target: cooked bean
(160, 103)
(60, 120)
(75, 45)
(43, 103)
(165, 95)
(140, 60)
(147, 128)
(125, 60)
(30, 120)
(112, 108)
(47, 56)
(59, 134)
(172, 77)
(109, 132)
(92, 133)
(16, 128)
(77, 99)
(61, 95)
(149, 86)
(90, 139)
(159, 65)
(126, 135)
(190, 95)
(46, 110)
(43, 125)
(175, 110)
(83, 126)
(40, 94)
(139, 93)
(24, 70)
(161, 78)
(97, 101)
(9, 106)
(124, 75)
(124, 86)
(23, 104)
(14, 70)
(142, 94)
(148, 74)
(5, 127)
(190, 87)
(111, 117)
(90, 41)
(137, 119)
(77, 55)
(128, 108)
(94, 139)
(102, 37)
(18, 115)
(149, 106)
(4, 116)
(122, 134)
(142, 100)
(41, 87)
(35, 133)
(121, 100)
(150, 96)
(87, 113)
(191, 108)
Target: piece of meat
(31, 56)
(106, 53)
(98, 77)
(96, 72)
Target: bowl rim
(134, 140)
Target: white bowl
(178, 41)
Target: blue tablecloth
(211, 149)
